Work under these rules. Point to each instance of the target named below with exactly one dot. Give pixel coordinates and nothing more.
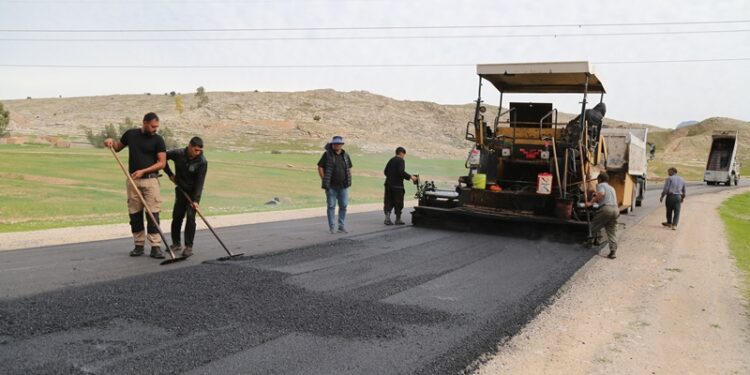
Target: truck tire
(736, 180)
(641, 192)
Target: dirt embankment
(671, 303)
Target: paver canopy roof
(549, 77)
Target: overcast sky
(662, 94)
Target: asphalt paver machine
(528, 173)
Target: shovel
(173, 258)
(190, 201)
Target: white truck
(722, 165)
(627, 164)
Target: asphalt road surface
(386, 300)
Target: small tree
(97, 139)
(200, 93)
(126, 125)
(172, 93)
(4, 120)
(109, 131)
(179, 104)
(169, 138)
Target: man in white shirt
(608, 213)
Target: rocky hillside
(690, 145)
(266, 120)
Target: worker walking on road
(334, 168)
(147, 155)
(190, 175)
(395, 175)
(674, 190)
(607, 215)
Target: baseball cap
(337, 140)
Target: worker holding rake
(190, 175)
(147, 155)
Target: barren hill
(267, 120)
(245, 120)
(691, 144)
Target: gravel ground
(671, 303)
(410, 300)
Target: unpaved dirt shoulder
(670, 303)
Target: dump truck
(528, 173)
(722, 165)
(627, 164)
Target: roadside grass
(735, 212)
(42, 187)
(690, 172)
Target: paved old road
(379, 300)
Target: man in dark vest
(146, 157)
(395, 175)
(190, 175)
(334, 168)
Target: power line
(374, 37)
(340, 66)
(352, 28)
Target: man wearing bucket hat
(334, 168)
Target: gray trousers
(674, 203)
(606, 218)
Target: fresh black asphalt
(402, 300)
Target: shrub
(109, 131)
(4, 120)
(169, 138)
(179, 104)
(200, 93)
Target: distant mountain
(685, 124)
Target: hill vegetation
(302, 122)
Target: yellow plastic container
(479, 181)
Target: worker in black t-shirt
(395, 175)
(147, 155)
(190, 174)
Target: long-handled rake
(173, 258)
(190, 201)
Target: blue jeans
(332, 196)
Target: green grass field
(735, 212)
(43, 187)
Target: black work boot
(137, 251)
(156, 252)
(387, 218)
(612, 254)
(398, 220)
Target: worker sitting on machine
(594, 118)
